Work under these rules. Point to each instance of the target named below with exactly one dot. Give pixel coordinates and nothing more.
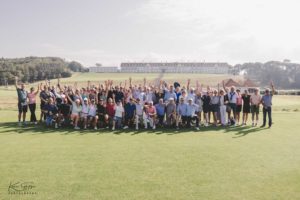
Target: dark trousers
(32, 108)
(129, 121)
(161, 119)
(190, 118)
(268, 111)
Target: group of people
(144, 105)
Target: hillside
(30, 69)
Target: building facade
(176, 67)
(101, 69)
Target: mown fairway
(213, 163)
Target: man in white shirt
(255, 101)
(119, 113)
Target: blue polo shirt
(267, 100)
(160, 109)
(129, 109)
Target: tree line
(31, 69)
(285, 75)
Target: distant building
(176, 67)
(102, 69)
(246, 85)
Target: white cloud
(232, 30)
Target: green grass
(213, 163)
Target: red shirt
(110, 109)
(151, 110)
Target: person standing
(232, 97)
(266, 101)
(32, 103)
(246, 107)
(22, 101)
(255, 101)
(214, 102)
(223, 100)
(239, 102)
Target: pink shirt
(31, 97)
(239, 99)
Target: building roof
(247, 83)
(230, 82)
(172, 64)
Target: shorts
(238, 108)
(211, 108)
(22, 108)
(83, 115)
(90, 117)
(254, 109)
(42, 106)
(117, 118)
(233, 107)
(246, 109)
(101, 117)
(65, 109)
(215, 108)
(205, 109)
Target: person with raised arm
(22, 101)
(266, 101)
(32, 103)
(45, 95)
(76, 110)
(169, 92)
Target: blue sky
(114, 31)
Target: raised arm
(88, 84)
(188, 84)
(130, 82)
(69, 98)
(16, 82)
(144, 82)
(272, 87)
(38, 90)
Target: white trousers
(223, 114)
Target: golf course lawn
(236, 163)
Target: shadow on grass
(13, 128)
